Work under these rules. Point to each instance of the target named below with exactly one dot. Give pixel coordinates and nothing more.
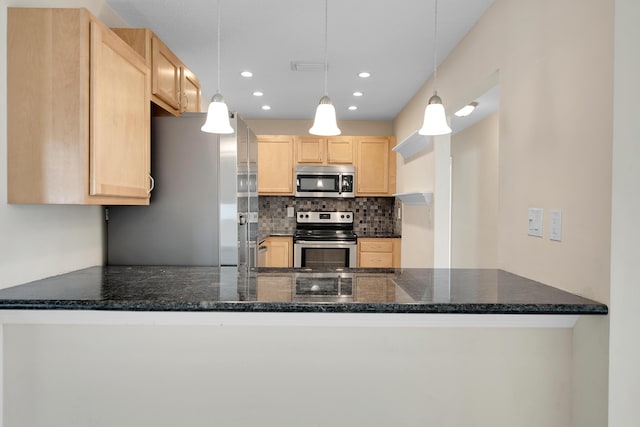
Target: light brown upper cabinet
(324, 151)
(275, 165)
(375, 166)
(190, 86)
(165, 76)
(78, 111)
(174, 87)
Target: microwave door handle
(340, 184)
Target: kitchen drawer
(377, 245)
(376, 259)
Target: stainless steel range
(324, 240)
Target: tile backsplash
(371, 214)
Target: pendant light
(218, 113)
(325, 120)
(435, 118)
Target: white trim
(421, 320)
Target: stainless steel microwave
(325, 181)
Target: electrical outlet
(535, 221)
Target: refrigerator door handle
(242, 219)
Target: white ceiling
(392, 39)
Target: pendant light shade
(325, 123)
(435, 118)
(217, 117)
(325, 120)
(218, 112)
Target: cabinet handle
(185, 104)
(153, 184)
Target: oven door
(319, 254)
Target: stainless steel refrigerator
(204, 207)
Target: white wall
(555, 132)
(474, 211)
(41, 241)
(624, 355)
(285, 376)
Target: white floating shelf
(417, 198)
(412, 144)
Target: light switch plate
(290, 212)
(555, 229)
(535, 221)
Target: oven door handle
(325, 243)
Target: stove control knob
(306, 216)
(348, 216)
(341, 216)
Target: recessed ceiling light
(358, 93)
(364, 75)
(466, 110)
(266, 107)
(246, 74)
(257, 93)
(353, 107)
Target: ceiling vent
(307, 66)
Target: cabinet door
(340, 150)
(375, 166)
(119, 119)
(165, 81)
(190, 85)
(309, 150)
(275, 165)
(279, 252)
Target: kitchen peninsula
(157, 345)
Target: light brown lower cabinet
(279, 252)
(378, 252)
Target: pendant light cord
(435, 44)
(326, 64)
(218, 51)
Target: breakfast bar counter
(151, 340)
(211, 289)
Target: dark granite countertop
(379, 235)
(158, 288)
(263, 236)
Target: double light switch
(536, 216)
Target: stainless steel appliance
(325, 181)
(334, 287)
(324, 240)
(204, 208)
